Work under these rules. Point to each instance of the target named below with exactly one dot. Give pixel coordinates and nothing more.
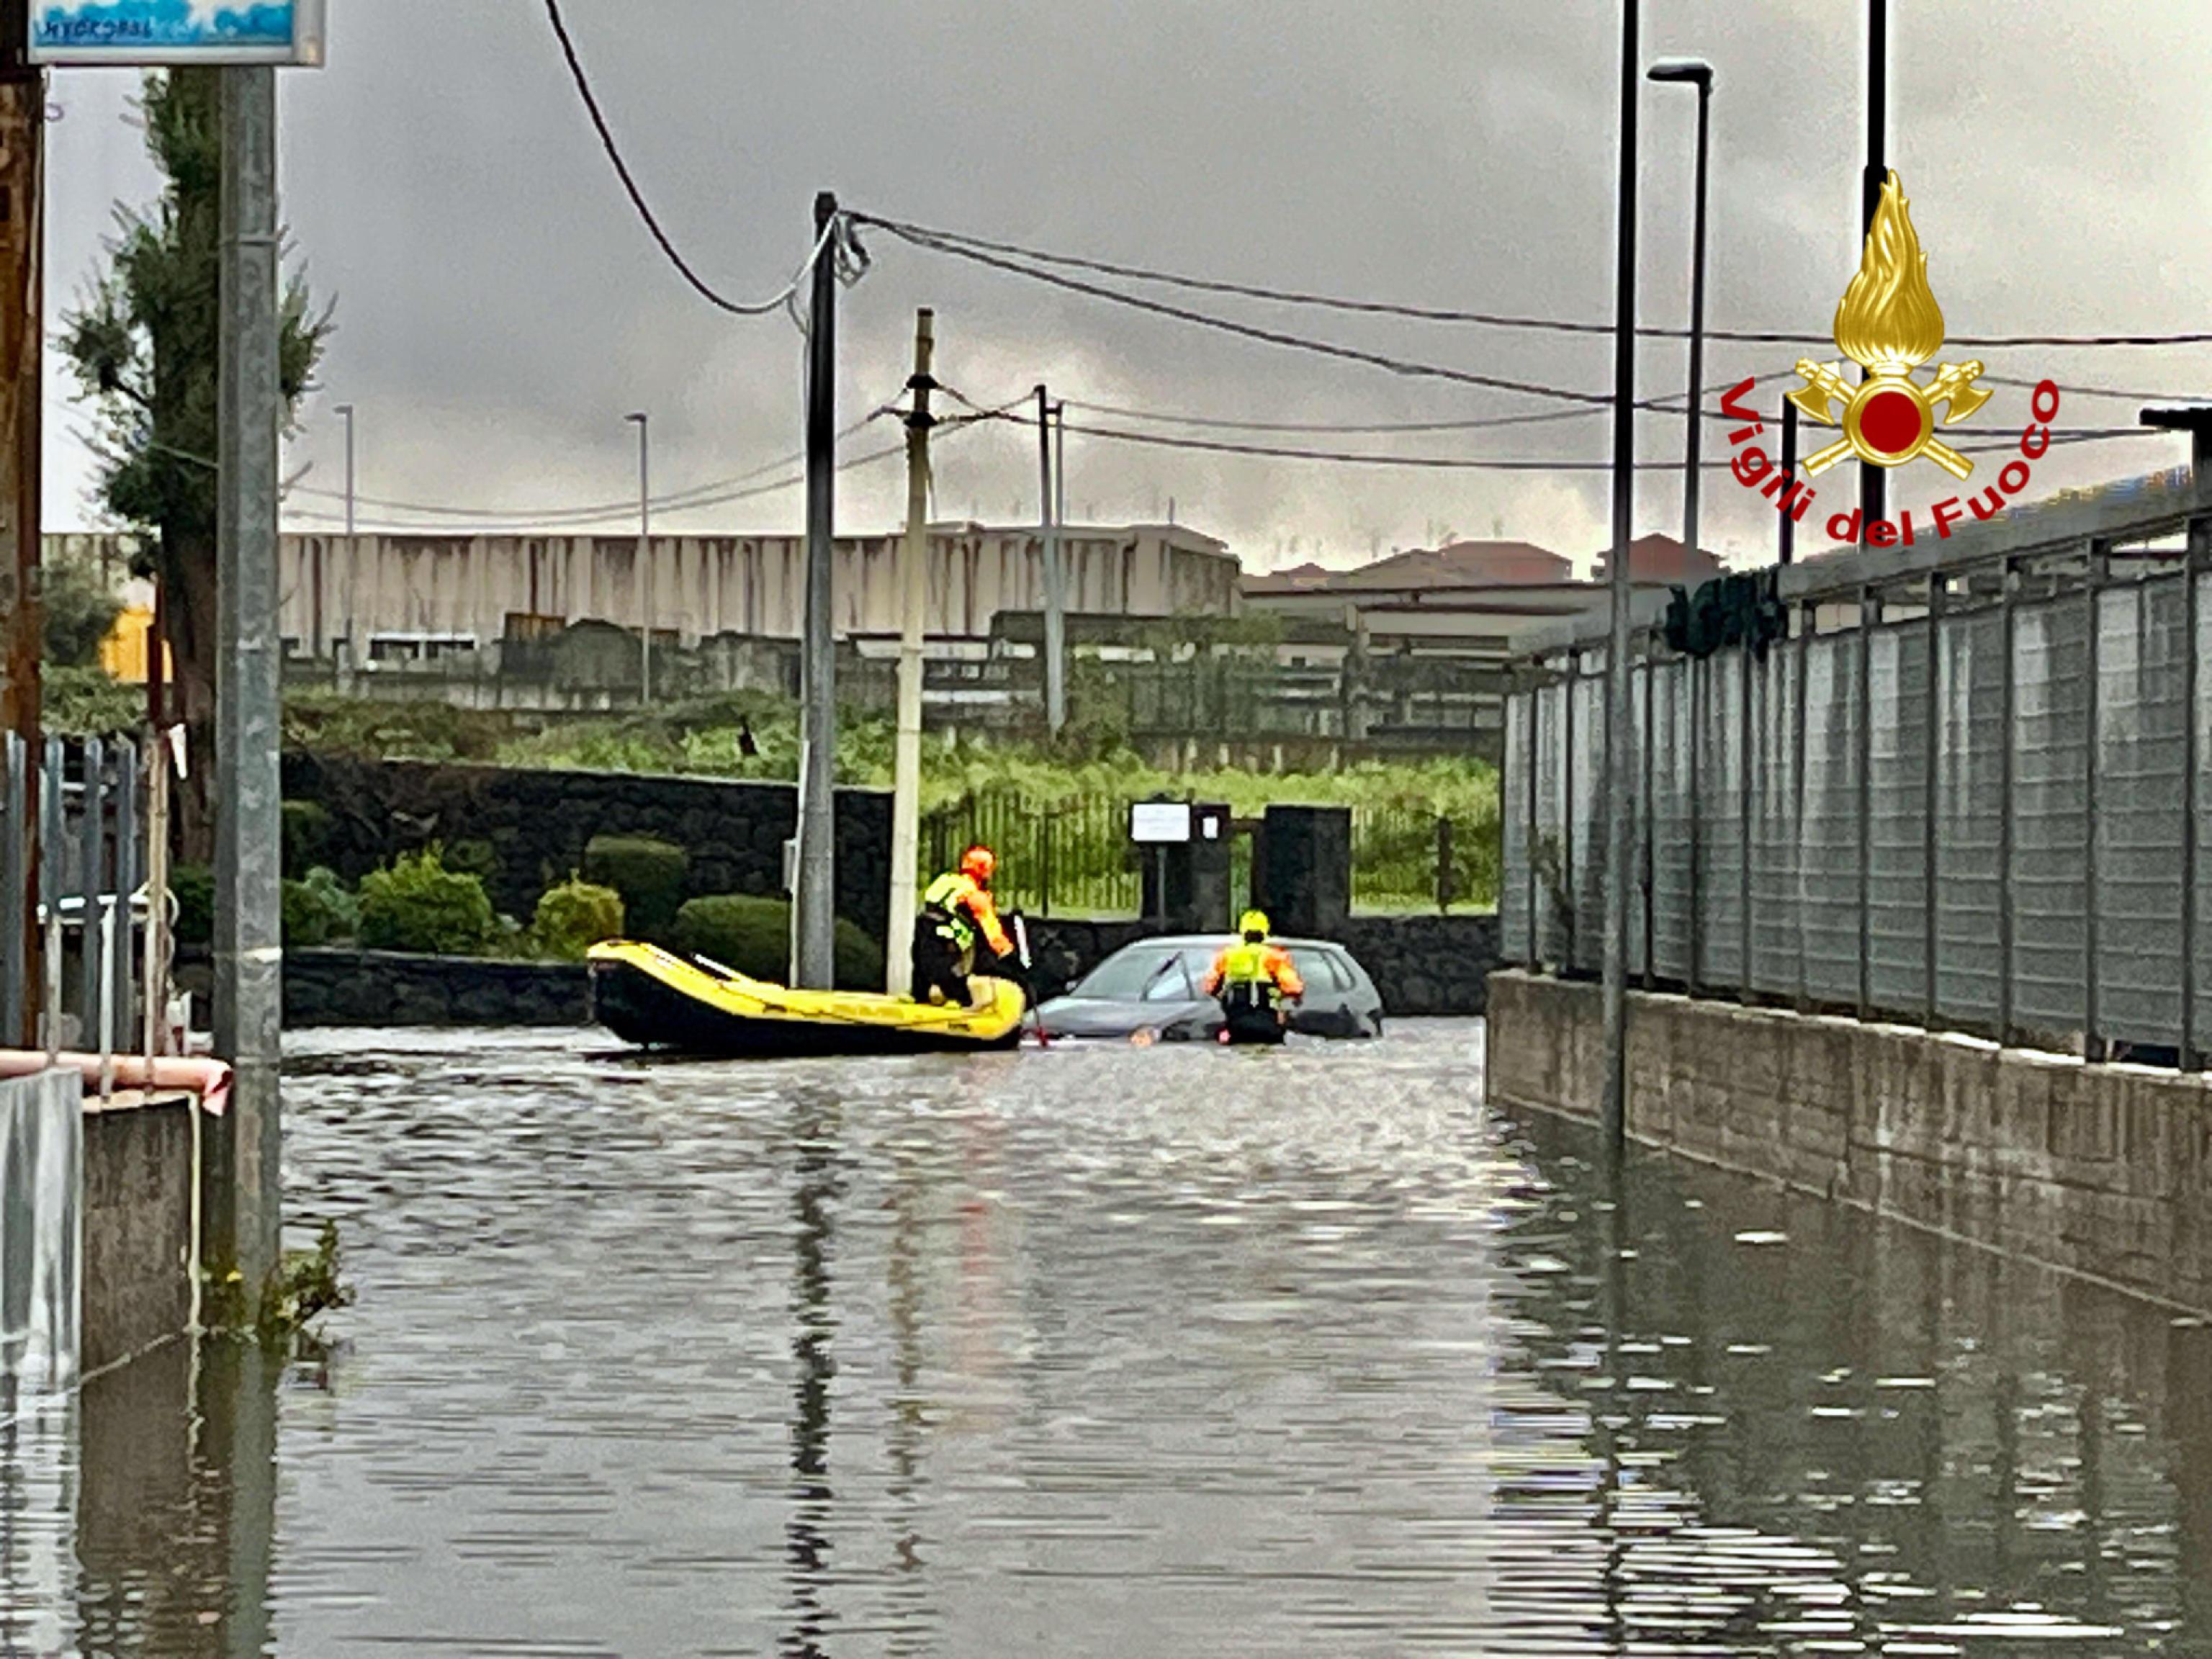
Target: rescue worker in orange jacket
(958, 912)
(1253, 980)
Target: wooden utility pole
(22, 330)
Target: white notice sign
(1159, 820)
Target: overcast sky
(500, 308)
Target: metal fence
(1407, 858)
(1068, 857)
(73, 845)
(1964, 790)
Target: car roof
(1228, 938)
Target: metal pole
(644, 425)
(1056, 614)
(23, 334)
(2192, 758)
(1869, 614)
(248, 952)
(1620, 713)
(2094, 1043)
(814, 910)
(1788, 548)
(352, 546)
(1931, 890)
(913, 596)
(156, 988)
(2008, 629)
(1872, 495)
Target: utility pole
(1620, 715)
(244, 1179)
(1788, 548)
(22, 333)
(814, 902)
(914, 598)
(1055, 612)
(1873, 492)
(352, 542)
(1695, 72)
(644, 425)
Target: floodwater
(1104, 1350)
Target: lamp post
(352, 546)
(644, 425)
(1694, 71)
(1621, 716)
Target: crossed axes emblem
(1826, 387)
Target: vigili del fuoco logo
(1889, 324)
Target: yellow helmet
(1253, 921)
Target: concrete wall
(137, 1227)
(750, 584)
(2103, 1170)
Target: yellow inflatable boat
(650, 996)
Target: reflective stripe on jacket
(1242, 963)
(960, 907)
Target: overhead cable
(831, 231)
(975, 246)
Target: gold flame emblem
(1889, 324)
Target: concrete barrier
(2103, 1170)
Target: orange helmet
(978, 863)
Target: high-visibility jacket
(960, 907)
(1259, 966)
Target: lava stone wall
(539, 823)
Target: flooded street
(1106, 1351)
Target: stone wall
(539, 823)
(2103, 1171)
(137, 1227)
(376, 987)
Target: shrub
(307, 835)
(192, 887)
(574, 917)
(475, 858)
(753, 935)
(318, 909)
(649, 874)
(418, 904)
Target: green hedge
(318, 909)
(192, 886)
(649, 874)
(307, 835)
(753, 935)
(574, 917)
(419, 905)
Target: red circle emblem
(1890, 423)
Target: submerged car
(1152, 988)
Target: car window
(1319, 971)
(1151, 973)
(1341, 966)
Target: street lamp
(353, 547)
(644, 425)
(1694, 71)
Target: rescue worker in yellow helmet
(958, 912)
(1253, 980)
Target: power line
(963, 245)
(1246, 330)
(735, 307)
(1493, 463)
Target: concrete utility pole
(1873, 491)
(22, 330)
(644, 425)
(1620, 713)
(344, 412)
(244, 1178)
(913, 599)
(1055, 604)
(814, 900)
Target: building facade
(417, 596)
